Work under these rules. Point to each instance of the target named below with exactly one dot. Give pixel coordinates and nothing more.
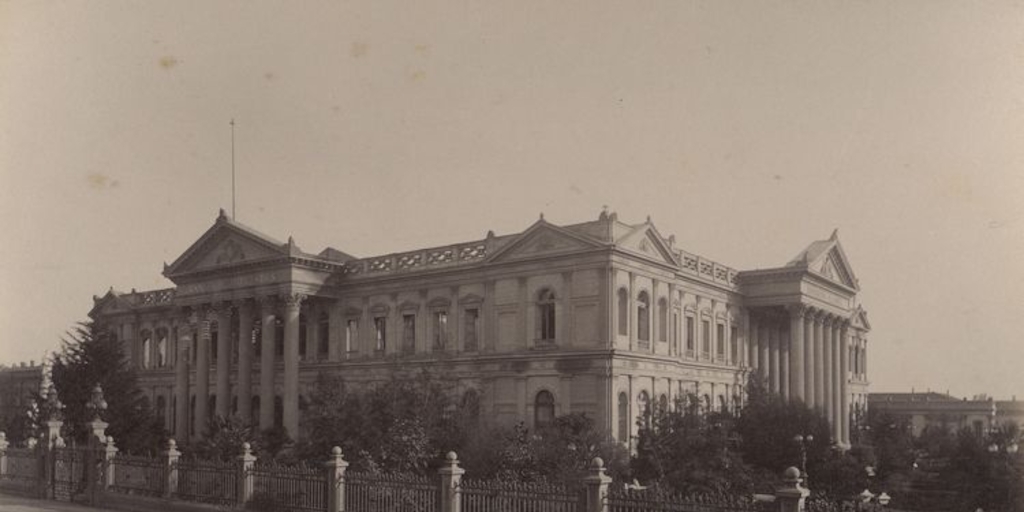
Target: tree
(691, 450)
(90, 356)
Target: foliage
(691, 451)
(984, 474)
(893, 442)
(90, 356)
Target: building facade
(600, 317)
(940, 410)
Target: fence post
(596, 487)
(171, 468)
(451, 478)
(246, 461)
(109, 451)
(791, 495)
(49, 458)
(335, 476)
(3, 453)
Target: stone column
(796, 352)
(267, 306)
(752, 347)
(809, 357)
(844, 376)
(223, 405)
(837, 416)
(826, 345)
(774, 369)
(819, 363)
(244, 341)
(202, 374)
(290, 400)
(764, 351)
(181, 371)
(784, 367)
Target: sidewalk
(10, 503)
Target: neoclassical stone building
(601, 317)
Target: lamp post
(803, 441)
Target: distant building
(939, 410)
(600, 317)
(17, 383)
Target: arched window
(662, 319)
(722, 405)
(623, 312)
(323, 334)
(471, 407)
(161, 409)
(623, 417)
(663, 402)
(147, 346)
(706, 404)
(161, 347)
(644, 402)
(254, 410)
(546, 315)
(543, 409)
(643, 317)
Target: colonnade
(803, 353)
(199, 319)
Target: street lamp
(803, 441)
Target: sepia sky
(747, 129)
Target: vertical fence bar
(451, 478)
(171, 468)
(246, 461)
(334, 477)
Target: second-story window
(147, 347)
(662, 320)
(643, 317)
(161, 347)
(351, 335)
(733, 352)
(691, 337)
(705, 328)
(323, 336)
(409, 333)
(380, 327)
(440, 330)
(623, 312)
(720, 341)
(546, 315)
(472, 329)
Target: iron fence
(138, 475)
(656, 499)
(515, 496)
(207, 481)
(289, 487)
(365, 492)
(23, 468)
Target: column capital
(292, 300)
(798, 310)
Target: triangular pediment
(110, 302)
(225, 244)
(859, 319)
(646, 240)
(827, 259)
(543, 239)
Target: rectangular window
(440, 330)
(380, 326)
(472, 328)
(351, 335)
(705, 328)
(720, 341)
(733, 353)
(408, 333)
(690, 336)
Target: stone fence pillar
(109, 452)
(596, 487)
(246, 461)
(171, 468)
(451, 478)
(791, 495)
(334, 475)
(3, 454)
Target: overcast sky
(747, 129)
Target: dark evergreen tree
(90, 356)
